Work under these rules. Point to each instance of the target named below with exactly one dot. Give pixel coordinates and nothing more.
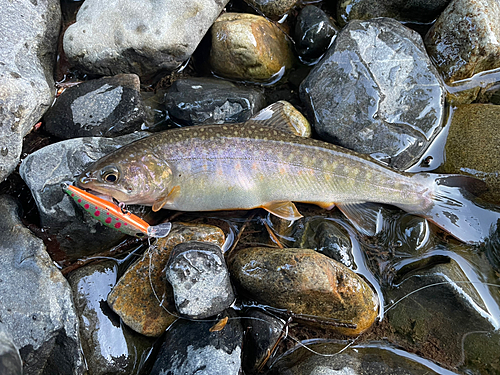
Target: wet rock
(200, 281)
(263, 333)
(249, 48)
(10, 360)
(433, 310)
(29, 32)
(109, 347)
(478, 125)
(363, 359)
(190, 348)
(376, 92)
(328, 238)
(464, 39)
(314, 32)
(195, 101)
(272, 8)
(72, 230)
(35, 304)
(306, 282)
(418, 11)
(104, 107)
(133, 298)
(111, 37)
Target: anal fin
(366, 217)
(285, 210)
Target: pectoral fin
(366, 217)
(284, 210)
(163, 200)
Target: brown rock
(250, 48)
(473, 144)
(133, 298)
(464, 39)
(306, 282)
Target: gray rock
(464, 39)
(418, 11)
(272, 8)
(376, 92)
(145, 37)
(195, 101)
(10, 360)
(104, 107)
(328, 238)
(109, 347)
(36, 305)
(314, 32)
(75, 232)
(199, 277)
(190, 348)
(28, 31)
(440, 300)
(363, 359)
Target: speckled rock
(29, 32)
(272, 8)
(109, 347)
(200, 281)
(126, 36)
(133, 297)
(306, 282)
(465, 39)
(36, 305)
(105, 107)
(418, 11)
(190, 347)
(376, 92)
(195, 101)
(478, 125)
(249, 48)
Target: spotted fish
(250, 165)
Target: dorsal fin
(283, 116)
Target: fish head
(128, 175)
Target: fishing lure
(114, 216)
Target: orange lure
(113, 216)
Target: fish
(114, 216)
(251, 165)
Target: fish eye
(110, 174)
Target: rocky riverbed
(415, 85)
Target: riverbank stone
(465, 39)
(376, 92)
(146, 37)
(105, 107)
(29, 32)
(36, 305)
(142, 297)
(197, 101)
(250, 48)
(478, 125)
(305, 282)
(200, 280)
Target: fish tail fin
(451, 206)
